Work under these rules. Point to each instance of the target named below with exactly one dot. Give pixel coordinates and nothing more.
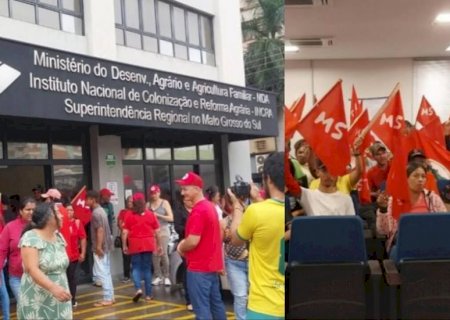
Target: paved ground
(168, 303)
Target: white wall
(371, 78)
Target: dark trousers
(72, 279)
(186, 292)
(126, 259)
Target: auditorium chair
(418, 275)
(328, 274)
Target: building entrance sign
(45, 83)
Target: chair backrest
(423, 237)
(327, 239)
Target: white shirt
(318, 203)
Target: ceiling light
(442, 18)
(291, 48)
(448, 48)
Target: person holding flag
(420, 199)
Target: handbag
(118, 242)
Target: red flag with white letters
(81, 211)
(355, 107)
(390, 122)
(325, 129)
(430, 121)
(357, 128)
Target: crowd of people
(44, 244)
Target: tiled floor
(168, 303)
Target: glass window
(68, 179)
(148, 14)
(180, 170)
(208, 174)
(65, 15)
(159, 174)
(165, 25)
(185, 153)
(158, 154)
(118, 11)
(150, 44)
(193, 28)
(71, 24)
(133, 178)
(206, 33)
(194, 55)
(179, 24)
(206, 152)
(4, 8)
(48, 18)
(60, 151)
(208, 58)
(133, 39)
(132, 13)
(25, 150)
(23, 11)
(50, 2)
(166, 47)
(72, 5)
(180, 51)
(119, 37)
(132, 154)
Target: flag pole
(79, 192)
(381, 110)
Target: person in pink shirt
(9, 241)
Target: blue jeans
(14, 284)
(141, 270)
(102, 267)
(204, 291)
(237, 274)
(4, 297)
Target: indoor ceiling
(369, 29)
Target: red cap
(154, 189)
(138, 196)
(191, 179)
(105, 193)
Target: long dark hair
(41, 215)
(211, 192)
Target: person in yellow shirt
(263, 225)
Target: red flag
(357, 128)
(397, 181)
(390, 122)
(297, 108)
(326, 131)
(438, 156)
(430, 121)
(355, 107)
(81, 211)
(290, 125)
(363, 185)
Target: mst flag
(357, 128)
(430, 121)
(390, 122)
(297, 108)
(355, 107)
(81, 211)
(326, 131)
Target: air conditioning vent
(264, 145)
(312, 42)
(259, 159)
(308, 3)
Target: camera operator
(263, 224)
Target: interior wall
(372, 78)
(30, 176)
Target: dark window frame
(141, 32)
(59, 9)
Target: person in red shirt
(377, 175)
(140, 230)
(77, 240)
(120, 221)
(9, 244)
(202, 247)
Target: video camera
(241, 188)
